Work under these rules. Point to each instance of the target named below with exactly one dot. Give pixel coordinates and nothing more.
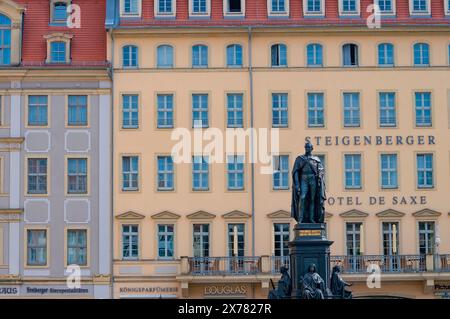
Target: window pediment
(426, 213)
(279, 214)
(130, 215)
(166, 215)
(201, 215)
(390, 213)
(354, 213)
(236, 214)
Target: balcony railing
(279, 261)
(210, 266)
(443, 263)
(386, 263)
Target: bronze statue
(338, 285)
(284, 286)
(312, 285)
(308, 191)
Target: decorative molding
(49, 141)
(77, 200)
(328, 215)
(88, 134)
(279, 214)
(10, 215)
(201, 215)
(9, 144)
(130, 215)
(354, 213)
(28, 200)
(101, 279)
(426, 213)
(165, 215)
(236, 214)
(390, 213)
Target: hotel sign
(396, 200)
(376, 140)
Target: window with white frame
(236, 242)
(37, 176)
(353, 238)
(352, 169)
(421, 53)
(390, 245)
(419, 7)
(199, 7)
(38, 110)
(201, 240)
(387, 110)
(234, 7)
(5, 40)
(316, 117)
(280, 110)
(385, 54)
(235, 166)
(58, 11)
(425, 171)
(130, 56)
(37, 247)
(426, 237)
(130, 8)
(352, 109)
(130, 173)
(234, 55)
(130, 111)
(350, 54)
(280, 176)
(313, 7)
(235, 113)
(58, 52)
(200, 116)
(166, 241)
(165, 110)
(165, 8)
(423, 109)
(314, 55)
(447, 7)
(77, 176)
(130, 241)
(199, 56)
(386, 6)
(200, 173)
(278, 55)
(164, 56)
(278, 7)
(281, 239)
(388, 171)
(349, 7)
(77, 247)
(77, 110)
(165, 173)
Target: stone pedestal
(310, 246)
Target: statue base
(310, 246)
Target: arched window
(130, 56)
(279, 55)
(5, 40)
(234, 55)
(421, 54)
(200, 56)
(164, 56)
(314, 54)
(386, 54)
(350, 54)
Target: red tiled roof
(88, 45)
(256, 15)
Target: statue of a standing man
(308, 191)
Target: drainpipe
(252, 161)
(111, 74)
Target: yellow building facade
(385, 178)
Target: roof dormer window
(58, 48)
(58, 11)
(234, 8)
